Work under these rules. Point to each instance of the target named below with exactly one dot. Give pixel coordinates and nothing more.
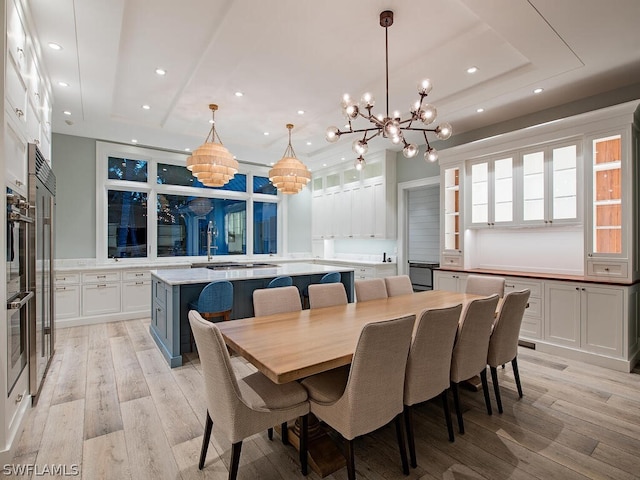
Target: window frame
(153, 157)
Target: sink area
(232, 265)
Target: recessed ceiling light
(272, 163)
(308, 143)
(538, 90)
(480, 110)
(300, 112)
(187, 149)
(67, 112)
(266, 134)
(146, 107)
(133, 140)
(239, 94)
(211, 120)
(54, 46)
(63, 84)
(161, 71)
(342, 158)
(324, 164)
(472, 69)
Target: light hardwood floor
(111, 405)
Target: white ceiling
(290, 55)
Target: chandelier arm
(415, 129)
(378, 132)
(426, 140)
(360, 130)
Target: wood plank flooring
(112, 406)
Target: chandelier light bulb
(346, 100)
(367, 101)
(391, 128)
(431, 155)
(359, 163)
(397, 139)
(360, 147)
(444, 131)
(428, 114)
(424, 87)
(410, 151)
(415, 106)
(332, 135)
(396, 115)
(351, 111)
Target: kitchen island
(172, 291)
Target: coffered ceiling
(292, 55)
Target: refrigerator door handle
(18, 304)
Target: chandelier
(289, 175)
(390, 126)
(211, 162)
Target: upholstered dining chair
(469, 357)
(284, 281)
(359, 399)
(242, 407)
(327, 295)
(398, 285)
(331, 277)
(503, 344)
(485, 285)
(268, 301)
(214, 302)
(429, 365)
(370, 289)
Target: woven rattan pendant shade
(289, 175)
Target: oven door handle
(18, 217)
(18, 304)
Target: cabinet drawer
(136, 296)
(67, 278)
(534, 308)
(159, 293)
(513, 285)
(100, 277)
(361, 272)
(531, 328)
(100, 299)
(136, 275)
(451, 261)
(607, 269)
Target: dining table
(287, 347)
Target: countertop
(184, 276)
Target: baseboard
(617, 364)
(114, 317)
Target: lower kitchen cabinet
(100, 299)
(531, 327)
(451, 281)
(67, 295)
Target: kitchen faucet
(211, 234)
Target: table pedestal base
(324, 456)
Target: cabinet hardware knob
(18, 183)
(19, 112)
(550, 221)
(20, 51)
(19, 398)
(606, 269)
(583, 289)
(577, 289)
(102, 285)
(61, 288)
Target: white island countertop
(184, 276)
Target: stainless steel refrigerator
(42, 193)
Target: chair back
(370, 289)
(375, 386)
(503, 345)
(327, 295)
(485, 285)
(269, 301)
(398, 285)
(429, 363)
(331, 277)
(469, 356)
(216, 297)
(222, 394)
(277, 282)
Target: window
(143, 187)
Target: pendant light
(289, 175)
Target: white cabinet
(67, 295)
(100, 293)
(585, 317)
(15, 156)
(531, 327)
(451, 281)
(136, 291)
(492, 192)
(451, 220)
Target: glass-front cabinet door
(452, 209)
(492, 192)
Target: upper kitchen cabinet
(492, 192)
(451, 220)
(356, 204)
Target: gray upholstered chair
(242, 407)
(268, 301)
(398, 285)
(327, 295)
(469, 356)
(503, 344)
(429, 365)
(357, 400)
(370, 289)
(485, 285)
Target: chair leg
(235, 460)
(285, 433)
(408, 419)
(516, 375)
(270, 433)
(496, 387)
(485, 390)
(304, 437)
(401, 445)
(456, 404)
(447, 413)
(205, 440)
(351, 461)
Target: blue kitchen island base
(173, 290)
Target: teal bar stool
(283, 281)
(331, 277)
(214, 302)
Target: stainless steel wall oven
(19, 296)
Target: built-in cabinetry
(348, 203)
(452, 219)
(91, 296)
(363, 271)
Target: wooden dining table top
(290, 346)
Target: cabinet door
(379, 208)
(67, 301)
(451, 202)
(136, 296)
(317, 224)
(356, 212)
(452, 282)
(100, 299)
(562, 318)
(367, 211)
(15, 90)
(602, 320)
(15, 157)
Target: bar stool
(331, 277)
(215, 301)
(284, 281)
